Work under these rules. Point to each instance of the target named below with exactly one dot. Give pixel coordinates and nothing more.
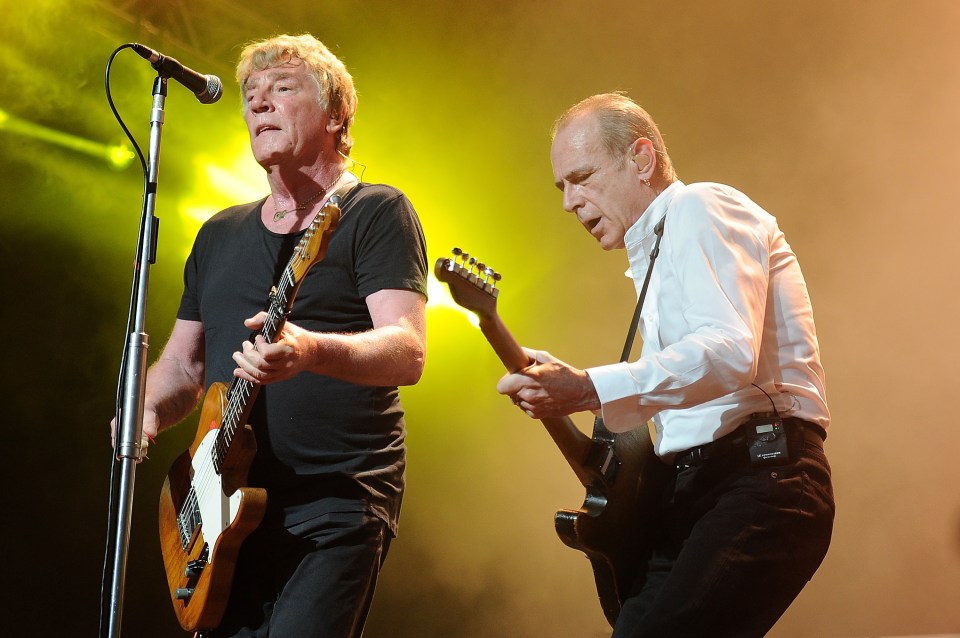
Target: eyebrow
(275, 76)
(576, 176)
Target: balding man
(729, 374)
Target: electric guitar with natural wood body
(620, 472)
(206, 509)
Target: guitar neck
(573, 444)
(242, 393)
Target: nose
(572, 199)
(257, 101)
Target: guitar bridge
(188, 520)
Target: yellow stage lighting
(117, 156)
(439, 297)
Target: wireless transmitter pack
(769, 444)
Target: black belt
(796, 430)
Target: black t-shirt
(323, 444)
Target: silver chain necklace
(280, 214)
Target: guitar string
(237, 397)
(286, 283)
(242, 391)
(188, 514)
(222, 442)
(269, 331)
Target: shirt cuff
(617, 390)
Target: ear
(334, 122)
(643, 155)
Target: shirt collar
(639, 239)
(644, 226)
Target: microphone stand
(130, 423)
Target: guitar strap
(341, 192)
(628, 346)
(600, 431)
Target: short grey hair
(621, 121)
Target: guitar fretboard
(241, 394)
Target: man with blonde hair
(729, 374)
(328, 422)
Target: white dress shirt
(727, 307)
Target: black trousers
(735, 546)
(313, 580)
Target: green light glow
(120, 156)
(117, 156)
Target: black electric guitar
(620, 472)
(206, 509)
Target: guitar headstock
(473, 284)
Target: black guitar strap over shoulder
(631, 334)
(600, 431)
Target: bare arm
(175, 380)
(390, 354)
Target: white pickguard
(217, 510)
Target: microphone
(207, 88)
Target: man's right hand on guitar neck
(549, 387)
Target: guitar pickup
(610, 464)
(603, 457)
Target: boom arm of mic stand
(135, 370)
